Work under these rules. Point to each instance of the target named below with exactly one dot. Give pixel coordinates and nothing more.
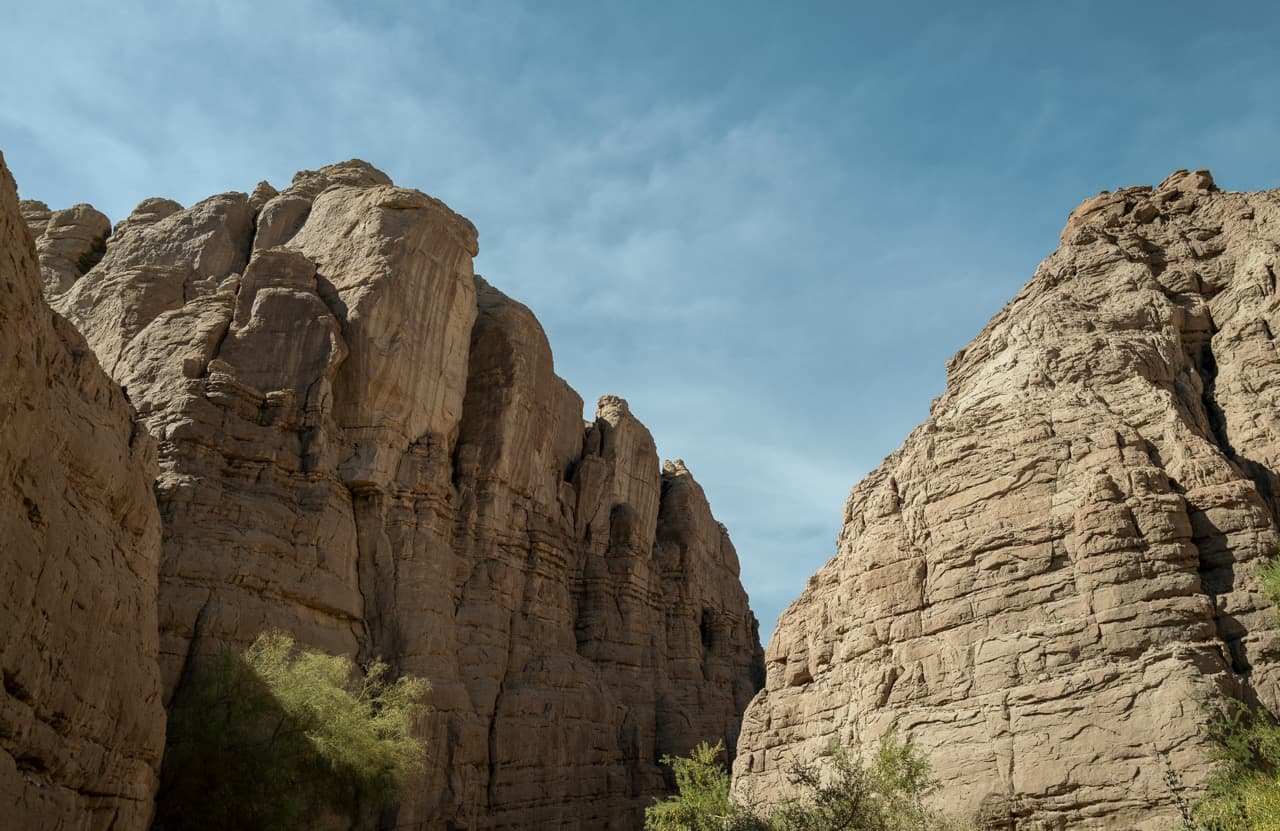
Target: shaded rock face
(364, 444)
(1053, 569)
(81, 719)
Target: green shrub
(886, 795)
(282, 738)
(1243, 792)
(702, 801)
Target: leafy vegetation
(702, 801)
(280, 738)
(1243, 793)
(888, 794)
(1244, 790)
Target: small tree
(702, 801)
(844, 795)
(886, 795)
(279, 738)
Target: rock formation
(81, 720)
(69, 241)
(1042, 582)
(365, 445)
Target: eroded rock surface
(1060, 562)
(69, 242)
(366, 445)
(81, 719)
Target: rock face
(68, 242)
(81, 720)
(1053, 569)
(362, 443)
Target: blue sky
(766, 225)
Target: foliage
(1269, 574)
(702, 801)
(1243, 792)
(280, 737)
(846, 795)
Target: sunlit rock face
(363, 443)
(81, 719)
(1050, 573)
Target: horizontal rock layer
(365, 445)
(81, 719)
(1052, 571)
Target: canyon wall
(364, 444)
(81, 719)
(1044, 580)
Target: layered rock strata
(364, 444)
(1050, 573)
(81, 719)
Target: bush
(281, 738)
(886, 795)
(1243, 793)
(702, 801)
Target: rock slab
(81, 719)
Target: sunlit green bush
(846, 794)
(283, 738)
(702, 801)
(1243, 793)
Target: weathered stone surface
(1053, 569)
(366, 445)
(81, 720)
(149, 212)
(68, 242)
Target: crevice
(220, 337)
(707, 630)
(490, 785)
(15, 688)
(197, 633)
(1207, 366)
(329, 294)
(375, 586)
(31, 764)
(93, 256)
(1216, 561)
(1263, 478)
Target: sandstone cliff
(1052, 570)
(81, 720)
(363, 444)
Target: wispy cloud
(766, 227)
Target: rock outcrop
(364, 444)
(69, 242)
(81, 719)
(1052, 571)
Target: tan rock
(81, 720)
(1045, 579)
(36, 215)
(366, 445)
(149, 212)
(68, 242)
(262, 194)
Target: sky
(765, 225)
